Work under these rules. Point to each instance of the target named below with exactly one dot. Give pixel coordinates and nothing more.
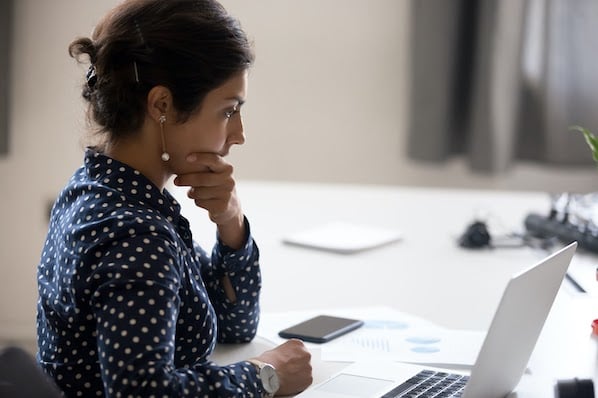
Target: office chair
(21, 377)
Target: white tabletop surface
(426, 273)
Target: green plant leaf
(590, 138)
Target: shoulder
(91, 218)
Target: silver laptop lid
(516, 326)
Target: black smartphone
(321, 329)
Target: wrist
(233, 233)
(268, 377)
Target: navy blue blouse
(129, 304)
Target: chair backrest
(21, 377)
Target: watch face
(269, 379)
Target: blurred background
(456, 93)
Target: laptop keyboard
(429, 384)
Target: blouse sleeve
(237, 321)
(135, 303)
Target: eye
(230, 112)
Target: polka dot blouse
(129, 304)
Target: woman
(129, 304)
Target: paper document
(387, 334)
(343, 237)
(424, 346)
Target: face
(215, 128)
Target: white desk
(426, 274)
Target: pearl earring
(165, 156)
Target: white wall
(327, 102)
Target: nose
(236, 134)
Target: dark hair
(189, 46)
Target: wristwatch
(268, 376)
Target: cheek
(198, 137)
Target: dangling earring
(165, 156)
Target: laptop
(503, 357)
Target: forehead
(234, 89)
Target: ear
(159, 102)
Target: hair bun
(83, 45)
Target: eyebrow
(240, 100)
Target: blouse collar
(130, 183)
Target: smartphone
(321, 329)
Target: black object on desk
(321, 329)
(546, 227)
(574, 388)
(475, 236)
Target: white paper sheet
(387, 334)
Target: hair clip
(136, 72)
(91, 76)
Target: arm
(237, 318)
(136, 307)
(232, 277)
